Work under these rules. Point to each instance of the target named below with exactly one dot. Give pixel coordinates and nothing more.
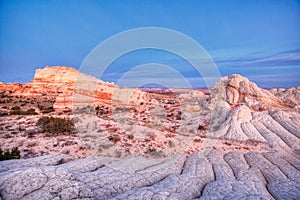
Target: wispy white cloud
(284, 58)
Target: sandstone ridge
(238, 142)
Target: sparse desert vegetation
(14, 153)
(155, 125)
(54, 125)
(16, 110)
(152, 108)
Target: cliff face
(48, 81)
(73, 89)
(57, 74)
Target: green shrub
(8, 155)
(55, 126)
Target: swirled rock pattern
(201, 175)
(251, 150)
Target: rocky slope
(241, 142)
(290, 95)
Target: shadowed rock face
(266, 165)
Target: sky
(257, 39)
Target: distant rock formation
(235, 90)
(249, 151)
(291, 96)
(74, 89)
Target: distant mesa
(72, 88)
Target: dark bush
(84, 110)
(47, 110)
(17, 111)
(8, 155)
(55, 126)
(114, 138)
(30, 111)
(202, 128)
(2, 114)
(130, 136)
(16, 108)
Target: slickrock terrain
(237, 141)
(290, 95)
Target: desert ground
(233, 141)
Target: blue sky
(258, 39)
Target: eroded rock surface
(246, 147)
(291, 95)
(214, 174)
